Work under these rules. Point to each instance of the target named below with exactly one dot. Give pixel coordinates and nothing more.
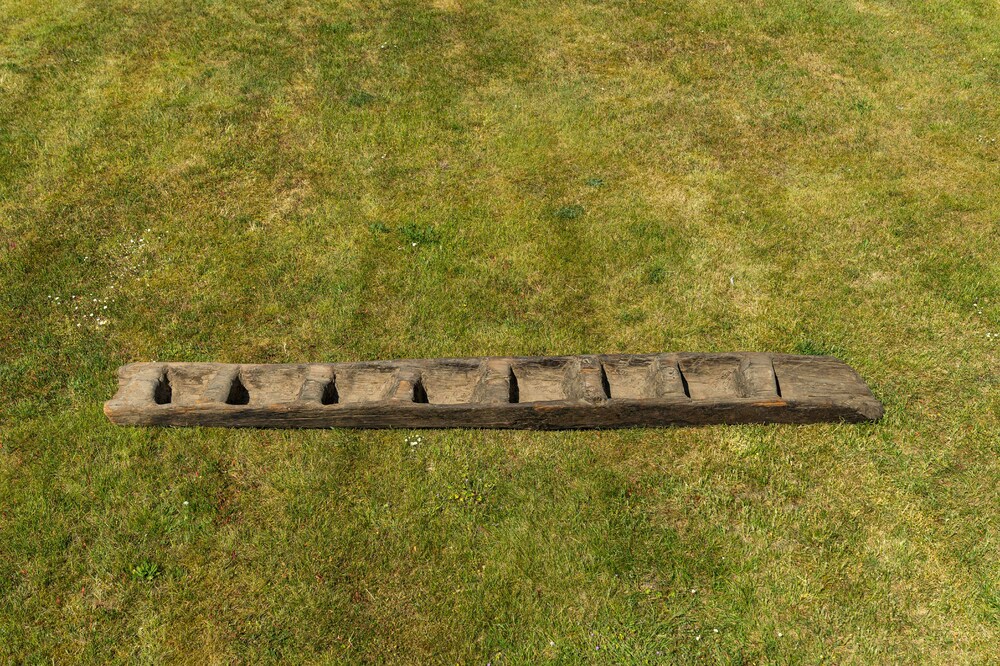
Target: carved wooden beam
(604, 391)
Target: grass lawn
(311, 180)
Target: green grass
(313, 181)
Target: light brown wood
(603, 391)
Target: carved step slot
(629, 377)
(163, 394)
(330, 395)
(407, 386)
(452, 382)
(546, 379)
(514, 391)
(419, 392)
(238, 393)
(684, 381)
(755, 377)
(585, 379)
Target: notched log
(603, 391)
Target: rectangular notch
(729, 376)
(542, 380)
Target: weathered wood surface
(604, 391)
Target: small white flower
(414, 244)
(697, 638)
(185, 502)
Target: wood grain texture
(559, 392)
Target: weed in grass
(569, 212)
(361, 98)
(146, 571)
(656, 275)
(419, 234)
(862, 106)
(631, 316)
(472, 493)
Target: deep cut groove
(605, 384)
(777, 384)
(330, 395)
(514, 393)
(684, 381)
(163, 393)
(419, 392)
(238, 393)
